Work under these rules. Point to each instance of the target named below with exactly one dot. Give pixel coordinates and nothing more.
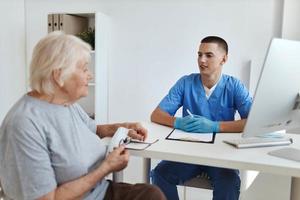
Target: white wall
(12, 53)
(155, 42)
(291, 20)
(291, 28)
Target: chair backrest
(200, 181)
(203, 181)
(1, 192)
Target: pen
(189, 112)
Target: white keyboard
(258, 142)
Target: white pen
(189, 112)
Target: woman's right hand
(76, 189)
(117, 159)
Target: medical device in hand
(120, 137)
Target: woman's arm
(137, 131)
(76, 189)
(108, 130)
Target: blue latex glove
(201, 124)
(182, 122)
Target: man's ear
(56, 74)
(224, 60)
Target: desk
(219, 154)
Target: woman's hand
(137, 131)
(108, 130)
(117, 159)
(77, 188)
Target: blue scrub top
(229, 96)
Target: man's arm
(161, 117)
(232, 126)
(200, 124)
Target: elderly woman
(49, 147)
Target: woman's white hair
(55, 51)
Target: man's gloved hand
(182, 122)
(200, 124)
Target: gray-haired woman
(49, 147)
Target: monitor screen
(276, 100)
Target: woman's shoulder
(24, 123)
(16, 115)
(23, 113)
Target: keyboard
(258, 142)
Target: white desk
(219, 154)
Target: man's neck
(210, 80)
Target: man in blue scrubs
(213, 98)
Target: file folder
(55, 22)
(50, 23)
(72, 24)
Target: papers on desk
(191, 137)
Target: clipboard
(208, 138)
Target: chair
(200, 181)
(1, 193)
(203, 181)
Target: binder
(55, 22)
(72, 24)
(50, 23)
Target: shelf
(96, 103)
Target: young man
(213, 98)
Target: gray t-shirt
(44, 145)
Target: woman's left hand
(137, 131)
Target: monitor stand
(287, 153)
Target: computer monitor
(276, 103)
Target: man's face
(211, 57)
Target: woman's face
(76, 85)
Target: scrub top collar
(208, 92)
(219, 86)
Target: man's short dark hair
(215, 39)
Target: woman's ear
(56, 74)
